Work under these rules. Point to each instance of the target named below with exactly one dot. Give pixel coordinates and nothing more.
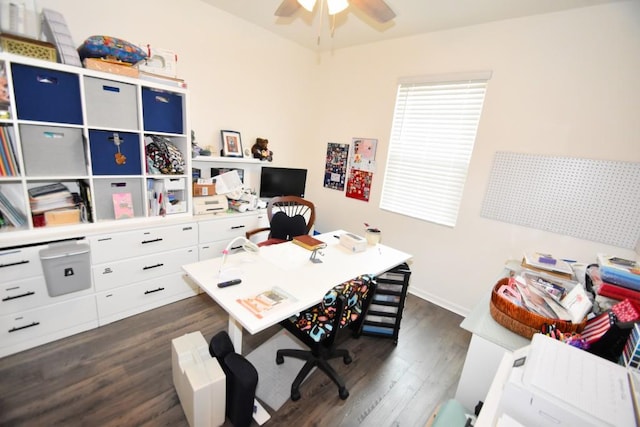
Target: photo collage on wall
(336, 165)
(362, 168)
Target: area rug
(274, 381)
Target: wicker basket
(522, 321)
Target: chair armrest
(250, 233)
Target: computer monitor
(276, 182)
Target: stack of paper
(547, 263)
(50, 197)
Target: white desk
(287, 267)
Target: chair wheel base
(279, 359)
(343, 392)
(295, 395)
(347, 359)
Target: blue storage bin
(46, 95)
(104, 150)
(162, 111)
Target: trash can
(66, 267)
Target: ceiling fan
(376, 9)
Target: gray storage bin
(111, 104)
(66, 267)
(104, 190)
(53, 151)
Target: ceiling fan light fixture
(307, 4)
(336, 6)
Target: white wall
(563, 84)
(240, 76)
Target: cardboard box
(204, 189)
(110, 67)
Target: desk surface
(287, 267)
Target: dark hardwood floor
(120, 374)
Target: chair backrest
(342, 306)
(356, 294)
(290, 216)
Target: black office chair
(318, 326)
(289, 216)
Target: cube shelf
(87, 130)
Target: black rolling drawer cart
(385, 310)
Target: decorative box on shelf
(24, 46)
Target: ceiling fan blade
(287, 8)
(377, 9)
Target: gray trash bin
(66, 267)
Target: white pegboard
(596, 200)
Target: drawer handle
(155, 290)
(11, 264)
(235, 227)
(26, 294)
(47, 79)
(159, 239)
(110, 88)
(149, 267)
(24, 327)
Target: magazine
(265, 301)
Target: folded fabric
(626, 311)
(598, 326)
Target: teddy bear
(260, 150)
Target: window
(432, 136)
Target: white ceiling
(352, 27)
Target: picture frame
(231, 143)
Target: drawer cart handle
(159, 239)
(11, 264)
(26, 294)
(155, 290)
(24, 327)
(149, 267)
(235, 227)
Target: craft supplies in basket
(522, 321)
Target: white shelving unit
(89, 131)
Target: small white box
(199, 381)
(353, 242)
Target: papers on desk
(266, 301)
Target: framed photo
(231, 143)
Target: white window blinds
(432, 136)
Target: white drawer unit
(215, 234)
(116, 304)
(30, 293)
(34, 327)
(211, 249)
(226, 228)
(128, 244)
(118, 273)
(20, 263)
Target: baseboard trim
(455, 308)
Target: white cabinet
(124, 301)
(30, 328)
(215, 234)
(138, 270)
(29, 316)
